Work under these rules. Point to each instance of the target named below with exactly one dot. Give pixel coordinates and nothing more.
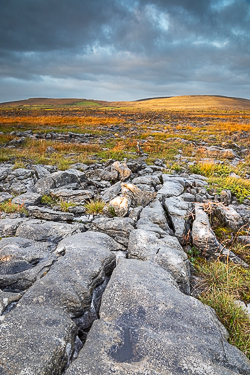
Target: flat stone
(28, 199)
(48, 214)
(8, 298)
(117, 226)
(170, 189)
(40, 334)
(74, 196)
(147, 326)
(59, 179)
(40, 230)
(166, 251)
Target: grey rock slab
(28, 199)
(59, 179)
(170, 189)
(147, 180)
(8, 227)
(4, 171)
(5, 197)
(39, 335)
(74, 196)
(40, 171)
(21, 173)
(48, 214)
(147, 326)
(40, 230)
(229, 216)
(244, 240)
(179, 212)
(111, 192)
(187, 197)
(22, 262)
(203, 236)
(166, 251)
(117, 226)
(154, 212)
(147, 225)
(135, 213)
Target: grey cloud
(144, 44)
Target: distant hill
(178, 103)
(191, 102)
(52, 102)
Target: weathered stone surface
(147, 180)
(203, 236)
(48, 214)
(38, 336)
(187, 197)
(115, 227)
(7, 299)
(8, 227)
(179, 212)
(147, 326)
(5, 197)
(120, 206)
(123, 171)
(244, 240)
(40, 230)
(214, 151)
(23, 261)
(111, 192)
(166, 251)
(170, 189)
(137, 196)
(229, 216)
(59, 179)
(28, 199)
(41, 171)
(154, 212)
(135, 213)
(147, 225)
(74, 196)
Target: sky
(124, 49)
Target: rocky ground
(114, 292)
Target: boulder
(123, 171)
(118, 206)
(137, 196)
(5, 197)
(111, 192)
(147, 326)
(229, 216)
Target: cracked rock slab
(166, 251)
(147, 326)
(38, 337)
(48, 214)
(170, 189)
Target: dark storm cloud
(149, 47)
